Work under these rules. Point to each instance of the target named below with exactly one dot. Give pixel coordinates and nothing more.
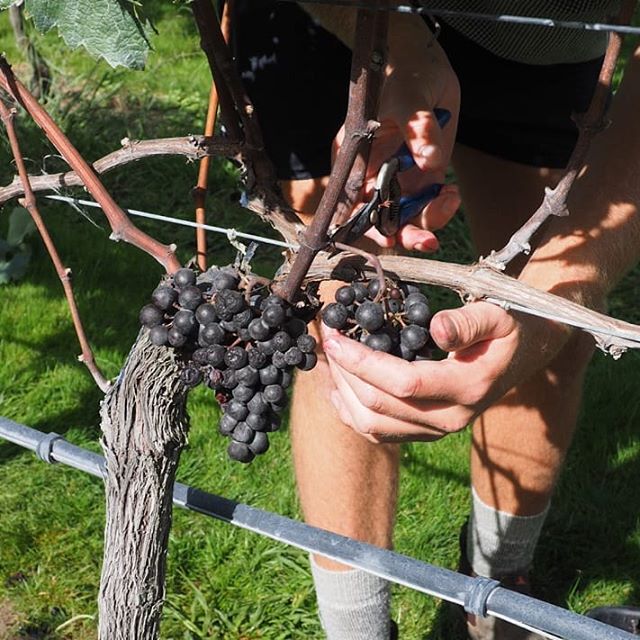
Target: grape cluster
(394, 320)
(242, 342)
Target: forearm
(584, 255)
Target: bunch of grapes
(242, 342)
(394, 320)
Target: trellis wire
(179, 221)
(233, 232)
(480, 596)
(487, 17)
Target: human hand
(418, 79)
(387, 399)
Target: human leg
(346, 484)
(519, 443)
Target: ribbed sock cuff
(500, 543)
(353, 604)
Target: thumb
(458, 329)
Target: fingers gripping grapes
(389, 400)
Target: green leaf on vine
(5, 4)
(109, 29)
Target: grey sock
(353, 604)
(500, 543)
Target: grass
(223, 582)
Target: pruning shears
(388, 210)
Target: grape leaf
(5, 4)
(109, 29)
(20, 226)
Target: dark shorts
(297, 75)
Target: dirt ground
(8, 618)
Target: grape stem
(373, 260)
(370, 38)
(29, 203)
(589, 124)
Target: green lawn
(223, 582)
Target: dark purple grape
(267, 347)
(345, 295)
(270, 375)
(412, 298)
(151, 316)
(306, 343)
(273, 393)
(243, 318)
(215, 355)
(309, 362)
(273, 299)
(243, 334)
(240, 452)
(257, 421)
(247, 376)
(418, 313)
(279, 407)
(236, 358)
(394, 306)
(184, 278)
(279, 360)
(230, 326)
(159, 335)
(243, 393)
(215, 379)
(257, 404)
(405, 353)
(295, 327)
(227, 425)
(257, 358)
(379, 342)
(229, 379)
(286, 378)
(260, 443)
(370, 316)
(164, 297)
(199, 356)
(206, 313)
(361, 291)
(228, 302)
(373, 288)
(242, 433)
(237, 409)
(409, 288)
(185, 322)
(258, 330)
(211, 334)
(190, 297)
(414, 337)
(282, 341)
(224, 280)
(191, 376)
(335, 315)
(293, 356)
(176, 339)
(273, 315)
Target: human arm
(580, 257)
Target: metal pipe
(477, 595)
